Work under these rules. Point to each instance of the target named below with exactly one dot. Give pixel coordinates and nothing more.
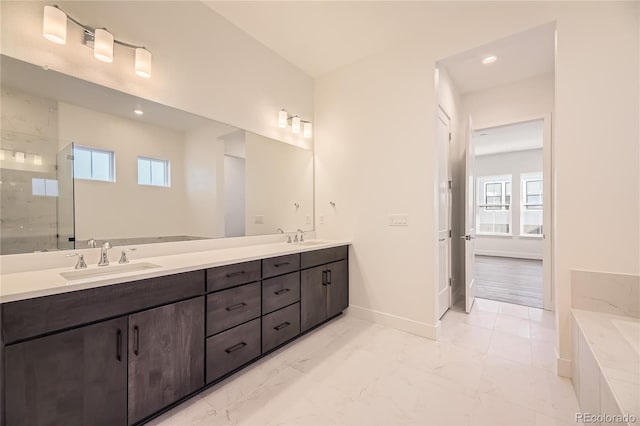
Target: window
(44, 187)
(493, 212)
(531, 215)
(93, 164)
(153, 172)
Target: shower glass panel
(66, 219)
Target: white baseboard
(394, 321)
(564, 367)
(496, 253)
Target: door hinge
(450, 234)
(449, 136)
(450, 282)
(450, 184)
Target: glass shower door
(66, 218)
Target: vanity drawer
(280, 291)
(280, 326)
(228, 308)
(232, 349)
(32, 317)
(232, 275)
(320, 257)
(280, 265)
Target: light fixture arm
(92, 31)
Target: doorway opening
(509, 209)
(500, 99)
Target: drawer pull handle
(235, 274)
(234, 307)
(324, 278)
(119, 345)
(136, 340)
(329, 276)
(235, 347)
(281, 326)
(283, 291)
(277, 265)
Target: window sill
(530, 237)
(494, 235)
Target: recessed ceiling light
(489, 59)
(138, 111)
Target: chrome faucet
(104, 258)
(80, 264)
(280, 230)
(123, 256)
(92, 243)
(301, 240)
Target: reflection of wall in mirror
(29, 125)
(124, 209)
(278, 177)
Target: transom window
(44, 187)
(93, 164)
(154, 172)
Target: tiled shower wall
(29, 125)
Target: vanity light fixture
(37, 160)
(296, 123)
(138, 111)
(54, 28)
(489, 59)
(19, 157)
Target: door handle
(329, 276)
(324, 277)
(466, 237)
(119, 345)
(136, 340)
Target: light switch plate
(259, 219)
(322, 220)
(308, 220)
(399, 220)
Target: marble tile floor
(494, 366)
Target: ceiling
(322, 36)
(513, 137)
(519, 56)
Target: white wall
(124, 209)
(270, 190)
(204, 181)
(201, 62)
(375, 153)
(514, 164)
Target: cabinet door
(313, 297)
(337, 288)
(166, 356)
(77, 377)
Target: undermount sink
(79, 274)
(310, 243)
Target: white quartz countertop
(46, 282)
(613, 339)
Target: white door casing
(443, 138)
(469, 220)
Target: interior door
(469, 220)
(166, 356)
(444, 213)
(547, 200)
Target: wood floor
(509, 280)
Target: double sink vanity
(118, 345)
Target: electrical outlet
(308, 220)
(259, 219)
(322, 219)
(399, 220)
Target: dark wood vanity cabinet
(73, 378)
(165, 357)
(121, 354)
(324, 289)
